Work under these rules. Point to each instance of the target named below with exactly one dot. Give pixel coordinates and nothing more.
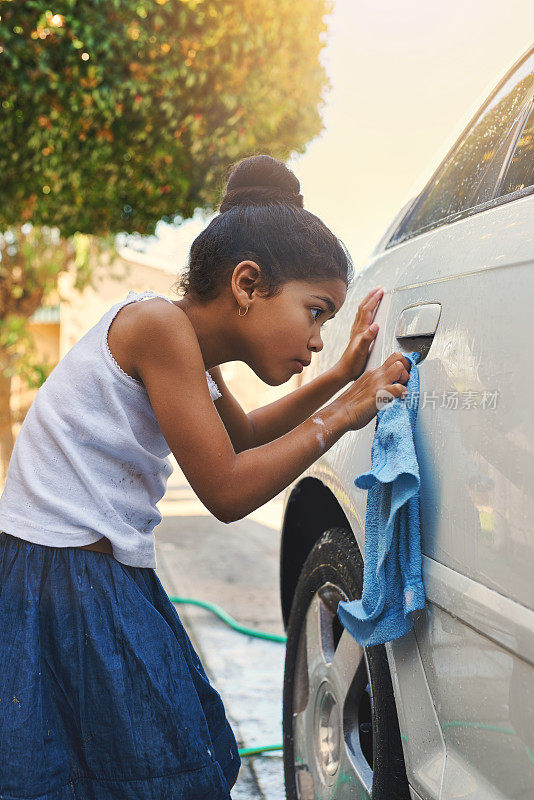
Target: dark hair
(262, 219)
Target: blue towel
(392, 583)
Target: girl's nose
(316, 344)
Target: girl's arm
(274, 420)
(168, 359)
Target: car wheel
(341, 733)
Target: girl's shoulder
(138, 323)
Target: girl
(102, 695)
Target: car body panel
(464, 678)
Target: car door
(462, 272)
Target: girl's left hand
(362, 334)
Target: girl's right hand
(373, 390)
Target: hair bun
(259, 180)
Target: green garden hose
(252, 751)
(236, 626)
(230, 621)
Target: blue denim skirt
(102, 695)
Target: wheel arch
(311, 509)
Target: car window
(459, 183)
(491, 177)
(520, 174)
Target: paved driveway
(236, 567)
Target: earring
(240, 314)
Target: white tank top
(90, 459)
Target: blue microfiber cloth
(392, 582)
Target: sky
(406, 77)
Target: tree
(118, 113)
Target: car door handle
(416, 328)
(418, 320)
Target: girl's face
(284, 330)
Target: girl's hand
(373, 390)
(362, 334)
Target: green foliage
(20, 353)
(118, 113)
(31, 262)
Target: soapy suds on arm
(320, 433)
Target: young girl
(102, 695)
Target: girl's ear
(245, 279)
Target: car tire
(340, 726)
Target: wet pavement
(234, 566)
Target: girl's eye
(320, 311)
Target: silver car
(447, 711)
